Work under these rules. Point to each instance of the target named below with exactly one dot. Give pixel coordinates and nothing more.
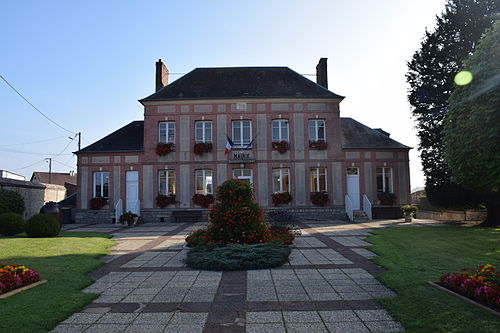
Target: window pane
(284, 131)
(276, 180)
(380, 182)
(171, 182)
(208, 131)
(237, 132)
(162, 132)
(312, 130)
(276, 134)
(321, 130)
(199, 132)
(171, 132)
(105, 187)
(199, 181)
(246, 134)
(162, 182)
(208, 182)
(285, 183)
(314, 178)
(322, 179)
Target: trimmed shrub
(236, 257)
(11, 224)
(11, 202)
(452, 195)
(42, 225)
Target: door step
(359, 216)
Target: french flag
(229, 146)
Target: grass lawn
(415, 255)
(63, 261)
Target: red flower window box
(281, 146)
(98, 203)
(318, 145)
(319, 198)
(164, 148)
(163, 200)
(281, 198)
(202, 147)
(203, 200)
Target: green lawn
(63, 261)
(415, 255)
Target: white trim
(167, 127)
(242, 143)
(316, 129)
(280, 178)
(202, 173)
(317, 185)
(167, 178)
(280, 127)
(204, 124)
(101, 173)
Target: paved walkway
(328, 285)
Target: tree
(431, 71)
(472, 125)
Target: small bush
(42, 225)
(236, 257)
(11, 224)
(409, 210)
(11, 202)
(197, 237)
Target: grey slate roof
(355, 135)
(129, 138)
(241, 82)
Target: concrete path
(328, 285)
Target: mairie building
(269, 126)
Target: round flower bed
(16, 276)
(481, 285)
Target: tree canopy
(431, 72)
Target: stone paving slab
(328, 285)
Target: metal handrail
(367, 207)
(349, 207)
(118, 210)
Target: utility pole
(50, 169)
(79, 140)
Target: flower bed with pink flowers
(481, 285)
(16, 276)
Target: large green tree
(472, 125)
(431, 71)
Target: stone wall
(101, 216)
(453, 215)
(33, 194)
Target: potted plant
(202, 147)
(319, 198)
(281, 198)
(164, 148)
(129, 218)
(386, 198)
(281, 146)
(409, 211)
(318, 145)
(203, 200)
(98, 202)
(163, 200)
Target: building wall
(33, 197)
(300, 158)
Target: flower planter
(165, 200)
(97, 203)
(318, 145)
(203, 200)
(26, 287)
(281, 146)
(163, 149)
(281, 198)
(319, 198)
(202, 147)
(468, 300)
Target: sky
(86, 63)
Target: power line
(34, 107)
(33, 142)
(62, 151)
(69, 166)
(27, 166)
(8, 150)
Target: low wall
(101, 216)
(453, 215)
(32, 193)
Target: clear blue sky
(85, 64)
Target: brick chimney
(161, 75)
(321, 73)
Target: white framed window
(317, 130)
(204, 182)
(166, 180)
(280, 130)
(243, 174)
(203, 131)
(281, 180)
(101, 184)
(318, 180)
(242, 133)
(384, 180)
(166, 132)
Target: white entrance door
(132, 192)
(353, 186)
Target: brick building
(260, 109)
